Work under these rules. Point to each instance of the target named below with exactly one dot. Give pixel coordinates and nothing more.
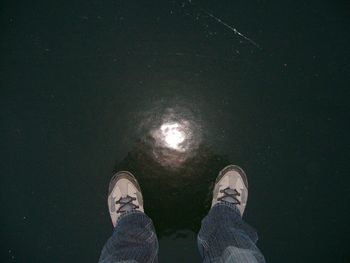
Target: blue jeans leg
(133, 240)
(225, 237)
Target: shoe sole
(232, 167)
(120, 175)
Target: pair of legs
(223, 237)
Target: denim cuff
(128, 213)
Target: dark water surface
(86, 87)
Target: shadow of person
(176, 198)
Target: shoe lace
(230, 195)
(126, 204)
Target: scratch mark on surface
(220, 21)
(233, 29)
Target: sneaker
(231, 186)
(124, 195)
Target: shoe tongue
(230, 191)
(126, 208)
(229, 199)
(228, 196)
(126, 204)
(125, 200)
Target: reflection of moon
(173, 135)
(175, 138)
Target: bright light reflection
(173, 135)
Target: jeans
(223, 237)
